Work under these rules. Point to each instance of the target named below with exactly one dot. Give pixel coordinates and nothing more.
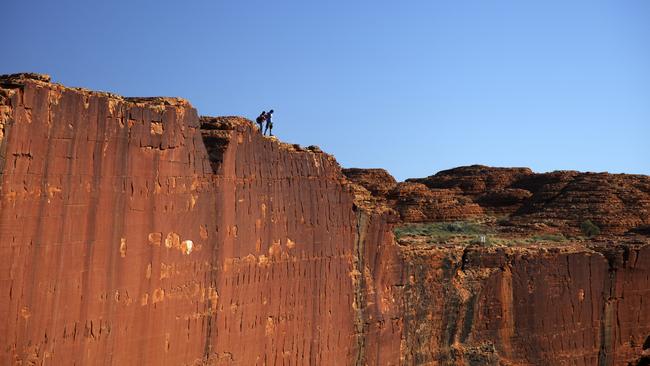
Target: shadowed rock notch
(135, 232)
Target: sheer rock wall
(283, 253)
(126, 241)
(525, 306)
(101, 196)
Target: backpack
(260, 118)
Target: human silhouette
(269, 123)
(260, 120)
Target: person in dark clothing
(269, 123)
(260, 120)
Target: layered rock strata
(617, 203)
(414, 202)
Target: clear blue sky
(411, 86)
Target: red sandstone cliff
(525, 306)
(134, 232)
(100, 198)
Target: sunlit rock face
(135, 232)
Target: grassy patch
(444, 231)
(470, 233)
(558, 238)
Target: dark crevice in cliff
(359, 283)
(609, 315)
(607, 323)
(464, 259)
(216, 134)
(452, 309)
(210, 319)
(468, 322)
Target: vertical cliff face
(106, 203)
(284, 251)
(625, 326)
(134, 232)
(525, 306)
(129, 242)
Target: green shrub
(589, 228)
(550, 237)
(454, 227)
(503, 221)
(439, 231)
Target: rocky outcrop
(414, 201)
(617, 203)
(491, 187)
(417, 203)
(378, 181)
(135, 232)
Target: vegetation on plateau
(468, 233)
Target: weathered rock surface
(378, 181)
(414, 202)
(107, 225)
(134, 232)
(491, 187)
(126, 241)
(284, 251)
(525, 306)
(417, 203)
(617, 203)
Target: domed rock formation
(417, 203)
(488, 186)
(617, 203)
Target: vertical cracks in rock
(359, 286)
(606, 342)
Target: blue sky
(411, 86)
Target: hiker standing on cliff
(269, 124)
(260, 119)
